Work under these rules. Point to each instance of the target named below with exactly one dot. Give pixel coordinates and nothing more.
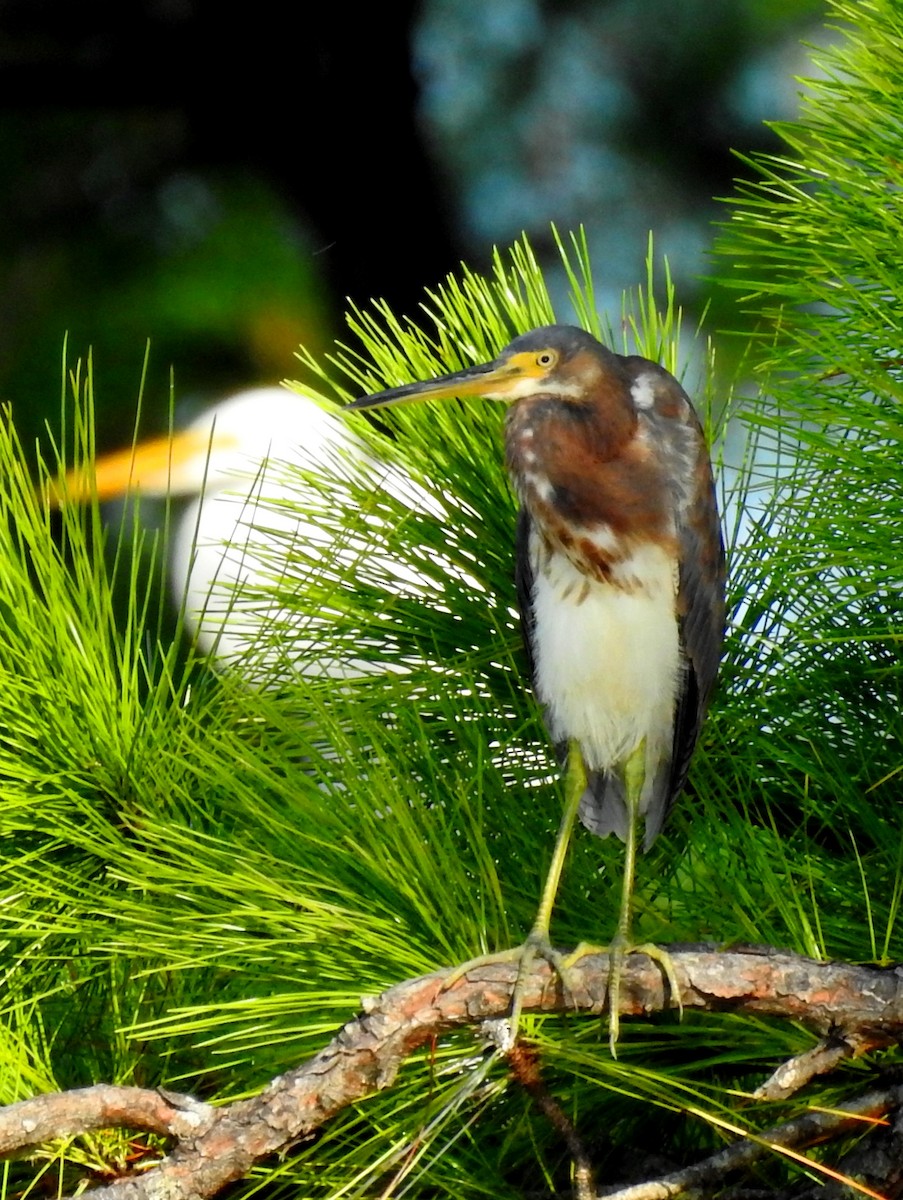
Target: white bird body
(260, 467)
(587, 631)
(235, 535)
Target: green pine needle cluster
(201, 876)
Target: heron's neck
(553, 426)
(587, 467)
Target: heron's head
(558, 360)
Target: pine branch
(214, 1147)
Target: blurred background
(217, 181)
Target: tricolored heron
(620, 580)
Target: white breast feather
(608, 666)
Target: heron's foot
(481, 960)
(537, 946)
(617, 951)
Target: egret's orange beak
(160, 466)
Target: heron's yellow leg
(634, 777)
(574, 787)
(621, 945)
(538, 943)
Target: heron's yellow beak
(497, 380)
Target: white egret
(258, 468)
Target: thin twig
(523, 1060)
(805, 1130)
(794, 1074)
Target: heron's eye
(545, 359)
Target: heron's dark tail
(603, 806)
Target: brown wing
(523, 581)
(700, 601)
(700, 596)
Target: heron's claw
(537, 946)
(617, 950)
